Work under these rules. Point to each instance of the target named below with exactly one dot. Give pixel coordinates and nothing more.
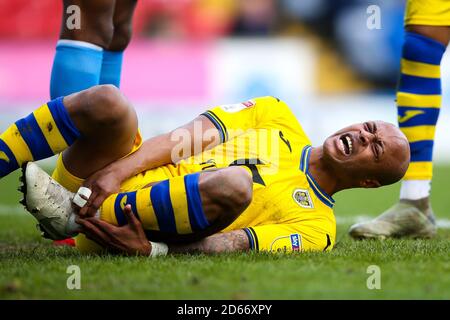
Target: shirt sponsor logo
(295, 242)
(232, 108)
(248, 103)
(302, 197)
(287, 243)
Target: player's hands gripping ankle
(103, 183)
(129, 239)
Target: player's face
(362, 149)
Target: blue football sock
(77, 66)
(111, 68)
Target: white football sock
(415, 189)
(72, 226)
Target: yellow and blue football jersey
(288, 211)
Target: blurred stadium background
(317, 55)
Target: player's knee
(107, 107)
(229, 190)
(103, 34)
(240, 185)
(122, 37)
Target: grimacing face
(373, 150)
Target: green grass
(410, 269)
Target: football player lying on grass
(238, 177)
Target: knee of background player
(97, 23)
(121, 37)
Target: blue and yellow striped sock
(419, 100)
(172, 206)
(47, 131)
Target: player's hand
(103, 183)
(129, 239)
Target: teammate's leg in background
(79, 52)
(113, 55)
(419, 112)
(418, 103)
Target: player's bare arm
(232, 241)
(155, 152)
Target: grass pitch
(31, 267)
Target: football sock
(172, 206)
(415, 189)
(76, 66)
(45, 132)
(418, 104)
(111, 67)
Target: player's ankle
(423, 204)
(415, 189)
(73, 226)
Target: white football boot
(49, 202)
(407, 218)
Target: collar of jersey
(304, 167)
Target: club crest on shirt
(302, 197)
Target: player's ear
(369, 183)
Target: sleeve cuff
(218, 124)
(252, 238)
